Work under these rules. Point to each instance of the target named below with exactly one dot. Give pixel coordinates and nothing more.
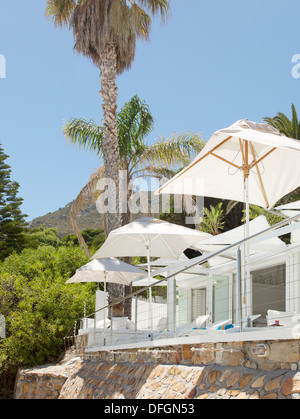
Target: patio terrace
(217, 298)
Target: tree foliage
(93, 239)
(161, 159)
(106, 31)
(214, 220)
(96, 24)
(173, 216)
(42, 236)
(138, 159)
(39, 308)
(289, 127)
(12, 220)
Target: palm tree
(137, 158)
(106, 32)
(290, 128)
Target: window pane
(268, 286)
(221, 303)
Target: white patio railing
(260, 292)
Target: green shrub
(39, 307)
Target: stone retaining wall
(92, 379)
(231, 370)
(45, 382)
(112, 381)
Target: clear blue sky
(215, 62)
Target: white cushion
(296, 318)
(220, 323)
(162, 324)
(130, 325)
(100, 324)
(119, 323)
(199, 322)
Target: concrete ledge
(249, 335)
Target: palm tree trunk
(111, 154)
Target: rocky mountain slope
(60, 219)
(89, 218)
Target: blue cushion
(226, 327)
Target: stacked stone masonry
(218, 371)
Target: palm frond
(154, 171)
(135, 123)
(140, 21)
(97, 24)
(295, 122)
(60, 11)
(290, 128)
(180, 149)
(87, 135)
(129, 20)
(156, 7)
(88, 191)
(230, 206)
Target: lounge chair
(190, 328)
(198, 327)
(282, 318)
(235, 328)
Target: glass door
(222, 297)
(269, 290)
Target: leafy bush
(214, 220)
(94, 238)
(42, 236)
(39, 308)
